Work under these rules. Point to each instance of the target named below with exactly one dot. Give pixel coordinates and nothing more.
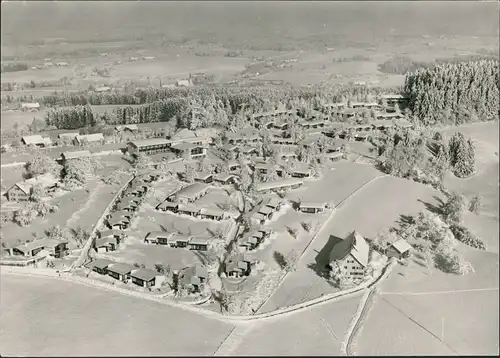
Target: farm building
(400, 249)
(36, 140)
(237, 266)
(89, 138)
(146, 278)
(99, 265)
(193, 277)
(149, 146)
(190, 193)
(21, 191)
(30, 106)
(119, 271)
(311, 207)
(277, 185)
(189, 150)
(68, 156)
(45, 247)
(352, 254)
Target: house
(193, 277)
(245, 150)
(212, 214)
(149, 146)
(51, 247)
(274, 203)
(183, 83)
(352, 254)
(400, 249)
(158, 238)
(99, 265)
(36, 140)
(200, 137)
(118, 235)
(237, 266)
(252, 240)
(368, 105)
(145, 277)
(334, 156)
(120, 271)
(68, 156)
(198, 243)
(226, 179)
(312, 207)
(348, 113)
(62, 64)
(89, 138)
(180, 240)
(277, 185)
(117, 222)
(126, 206)
(266, 211)
(190, 193)
(393, 99)
(102, 89)
(127, 127)
(204, 177)
(67, 137)
(107, 241)
(21, 191)
(302, 170)
(287, 155)
(168, 206)
(30, 106)
(188, 209)
(189, 151)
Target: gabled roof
(156, 234)
(266, 210)
(105, 241)
(354, 244)
(45, 242)
(192, 190)
(144, 274)
(95, 137)
(183, 134)
(99, 263)
(67, 135)
(35, 139)
(401, 246)
(199, 241)
(212, 211)
(191, 208)
(180, 237)
(130, 127)
(310, 204)
(109, 233)
(184, 146)
(203, 175)
(121, 268)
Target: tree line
(454, 93)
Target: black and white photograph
(249, 178)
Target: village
(209, 205)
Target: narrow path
(353, 333)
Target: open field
(9, 119)
(412, 325)
(484, 182)
(316, 331)
(44, 317)
(76, 208)
(374, 208)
